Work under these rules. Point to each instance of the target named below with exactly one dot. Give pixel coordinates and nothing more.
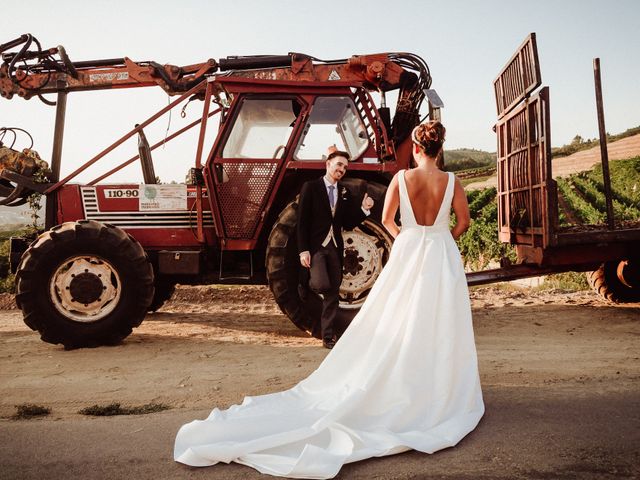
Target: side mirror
(435, 104)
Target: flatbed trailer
(527, 194)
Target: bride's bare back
(426, 189)
(426, 192)
(426, 184)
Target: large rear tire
(617, 281)
(84, 284)
(367, 250)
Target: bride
(403, 376)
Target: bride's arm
(391, 203)
(461, 209)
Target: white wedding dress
(403, 376)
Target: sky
(464, 42)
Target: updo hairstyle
(429, 137)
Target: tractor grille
(244, 194)
(130, 219)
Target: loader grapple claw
(26, 163)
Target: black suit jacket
(314, 215)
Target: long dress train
(403, 376)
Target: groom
(325, 208)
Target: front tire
(84, 284)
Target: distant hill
(16, 217)
(12, 216)
(627, 147)
(468, 158)
(578, 144)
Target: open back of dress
(403, 376)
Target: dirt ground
(560, 375)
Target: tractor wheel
(84, 284)
(163, 290)
(617, 281)
(366, 251)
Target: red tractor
(110, 253)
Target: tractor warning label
(163, 197)
(334, 76)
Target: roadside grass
(507, 287)
(567, 281)
(116, 409)
(7, 280)
(26, 411)
(8, 284)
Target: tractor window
(333, 120)
(262, 129)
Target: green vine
(479, 245)
(35, 199)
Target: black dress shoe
(328, 344)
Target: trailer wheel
(367, 250)
(617, 281)
(163, 290)
(84, 284)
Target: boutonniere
(343, 193)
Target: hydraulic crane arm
(32, 70)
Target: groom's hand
(367, 202)
(305, 259)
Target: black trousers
(325, 278)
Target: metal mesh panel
(518, 78)
(243, 196)
(524, 173)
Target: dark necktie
(332, 198)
